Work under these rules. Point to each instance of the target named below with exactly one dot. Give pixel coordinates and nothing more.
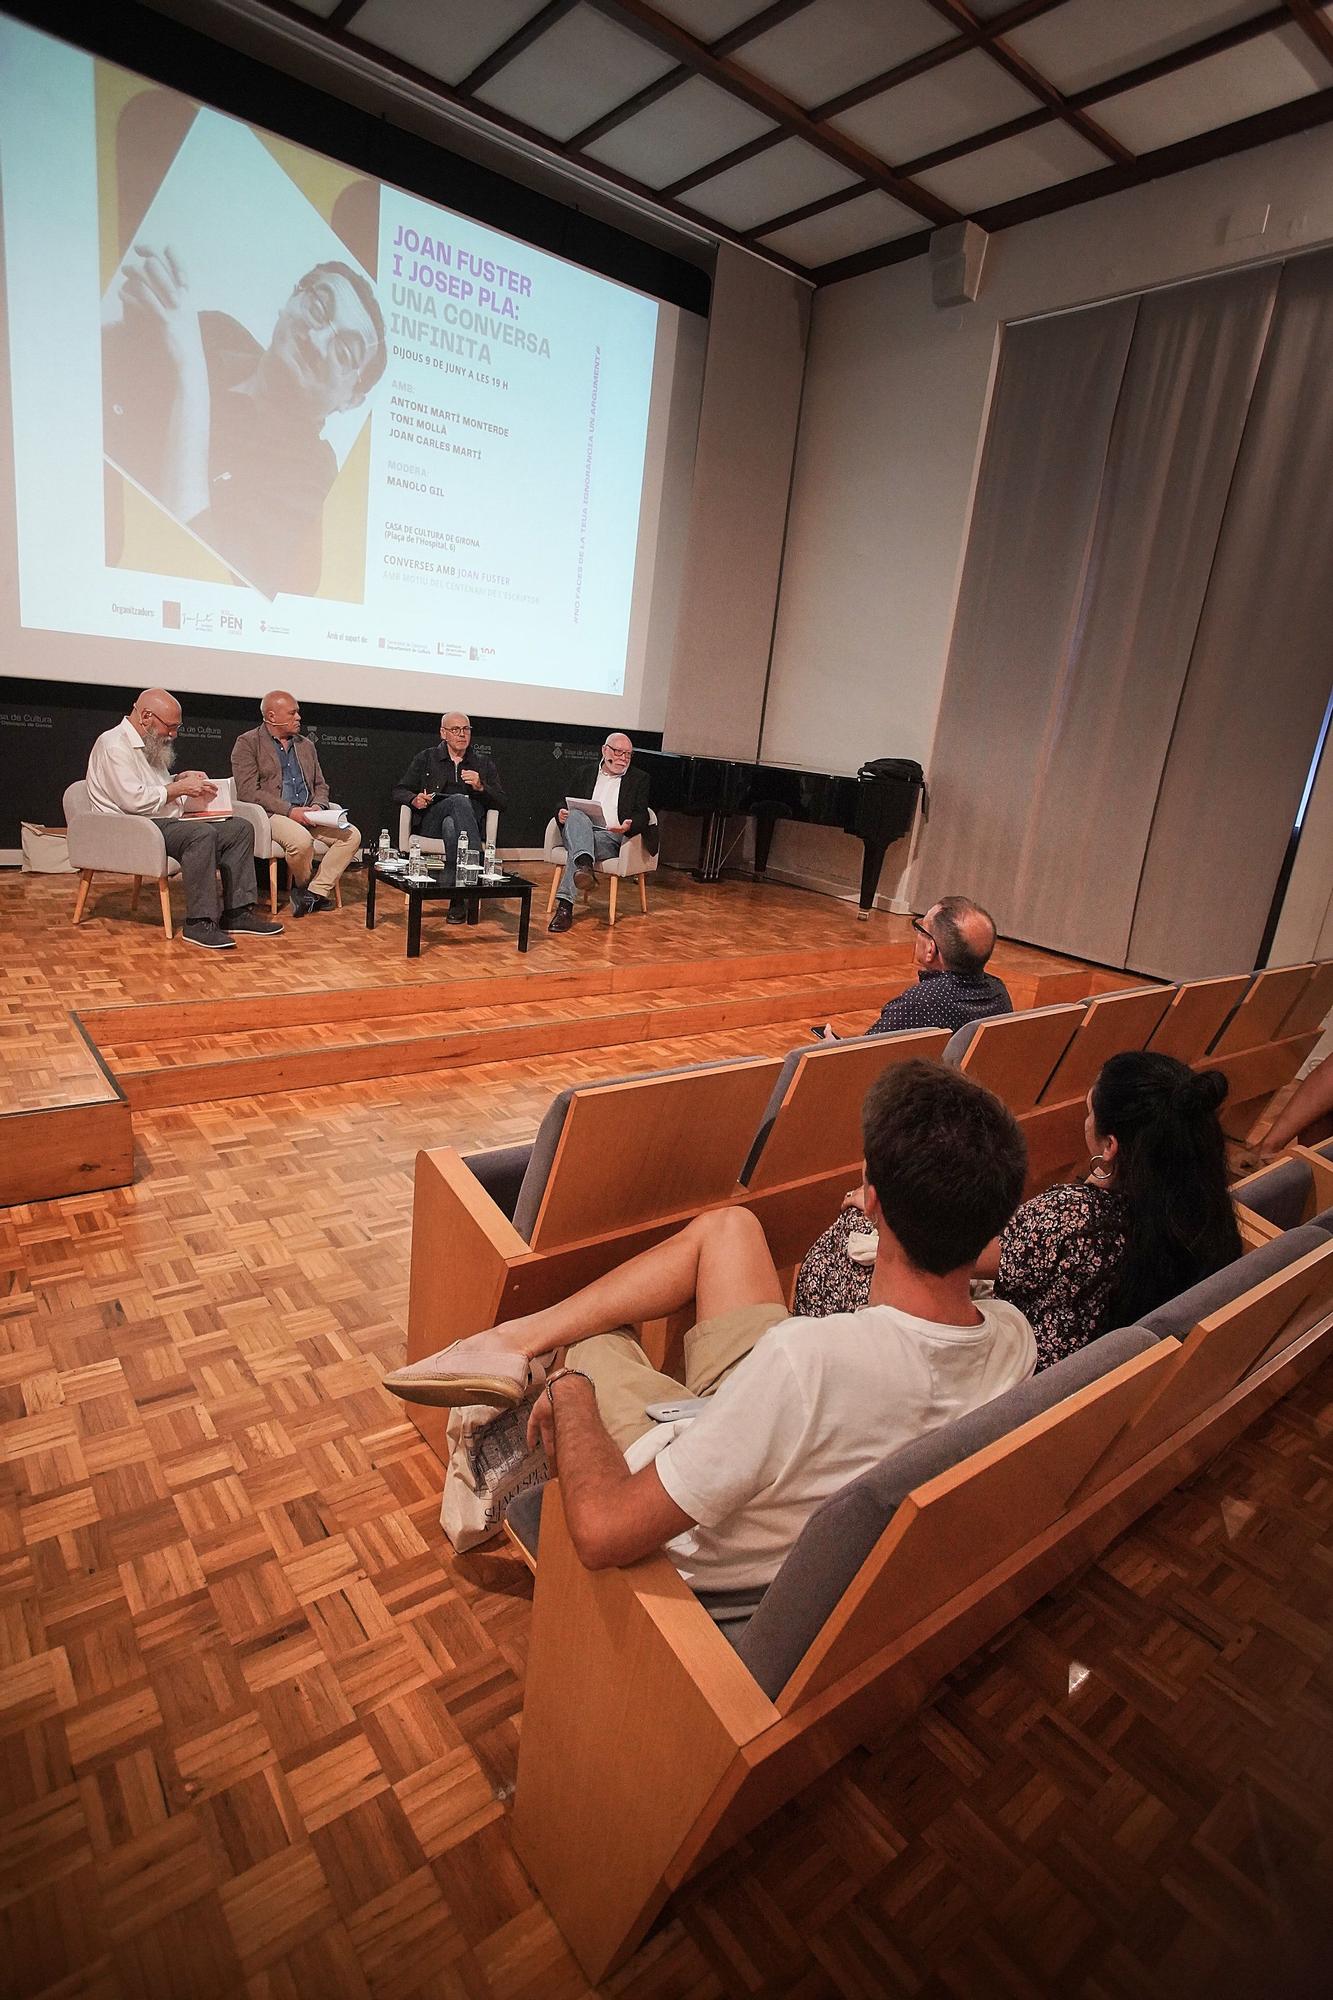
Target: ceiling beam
(1302, 114)
(1315, 26)
(1032, 79)
(522, 38)
(343, 12)
(745, 31)
(532, 141)
(1112, 86)
(794, 121)
(957, 45)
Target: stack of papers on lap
(589, 806)
(329, 815)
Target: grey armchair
(268, 854)
(103, 843)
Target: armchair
(633, 860)
(102, 843)
(429, 845)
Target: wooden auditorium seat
(1296, 1188)
(1112, 1023)
(1255, 1050)
(1015, 1054)
(812, 1121)
(654, 1738)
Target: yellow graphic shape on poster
(320, 181)
(114, 90)
(342, 575)
(155, 543)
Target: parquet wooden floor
(258, 1725)
(115, 959)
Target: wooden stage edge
(88, 1143)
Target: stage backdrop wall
(895, 408)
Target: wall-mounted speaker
(956, 257)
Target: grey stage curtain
(1262, 663)
(1021, 592)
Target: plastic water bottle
(462, 862)
(385, 849)
(414, 855)
(492, 872)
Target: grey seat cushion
(1324, 1221)
(515, 1176)
(1280, 1195)
(1178, 1315)
(841, 1533)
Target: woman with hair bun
(1152, 1217)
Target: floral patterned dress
(1059, 1259)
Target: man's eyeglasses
(151, 715)
(921, 930)
(612, 750)
(454, 729)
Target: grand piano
(877, 806)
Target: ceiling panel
(447, 42)
(580, 69)
(1272, 69)
(324, 7)
(855, 225)
(691, 125)
(1086, 41)
(833, 44)
(709, 20)
(1012, 168)
(785, 177)
(967, 95)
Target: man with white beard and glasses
(129, 771)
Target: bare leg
(719, 1261)
(1310, 1100)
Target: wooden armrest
(636, 1712)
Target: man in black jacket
(623, 796)
(450, 788)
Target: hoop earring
(1100, 1173)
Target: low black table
(439, 888)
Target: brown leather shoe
(563, 918)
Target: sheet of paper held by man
(589, 806)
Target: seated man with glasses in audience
(623, 796)
(950, 947)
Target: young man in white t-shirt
(794, 1407)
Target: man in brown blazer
(277, 768)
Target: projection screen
(266, 408)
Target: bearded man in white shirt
(792, 1409)
(129, 771)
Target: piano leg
(872, 861)
(712, 846)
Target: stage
(108, 1020)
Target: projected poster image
(287, 410)
(241, 348)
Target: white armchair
(430, 846)
(268, 853)
(108, 843)
(632, 860)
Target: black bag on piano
(905, 768)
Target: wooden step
(245, 1060)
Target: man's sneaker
(300, 899)
(210, 935)
(249, 923)
(305, 903)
